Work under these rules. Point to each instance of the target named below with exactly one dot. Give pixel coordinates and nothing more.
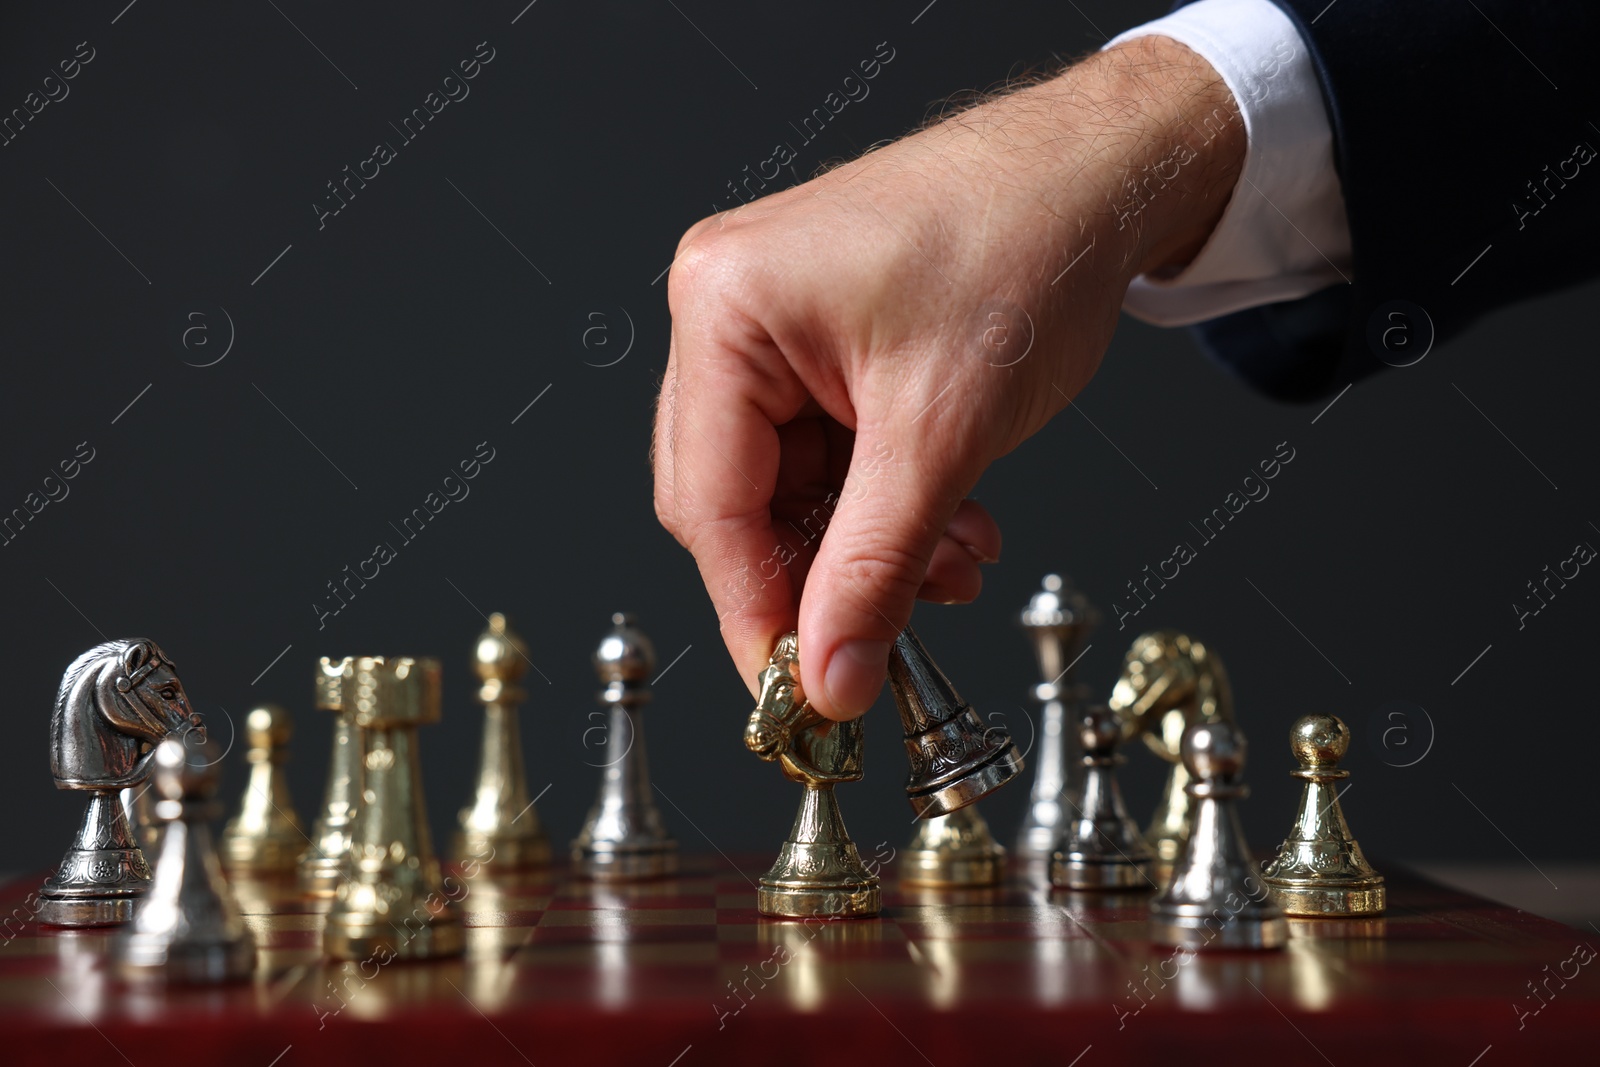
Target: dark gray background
(379, 351)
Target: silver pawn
(1058, 619)
(188, 928)
(1103, 847)
(1216, 899)
(623, 838)
(139, 805)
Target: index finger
(716, 468)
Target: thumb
(886, 527)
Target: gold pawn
(393, 904)
(322, 863)
(265, 837)
(500, 829)
(1319, 870)
(953, 851)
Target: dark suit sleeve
(1465, 147)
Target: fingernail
(937, 594)
(978, 554)
(856, 674)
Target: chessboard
(682, 971)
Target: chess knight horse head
(784, 727)
(1169, 680)
(114, 699)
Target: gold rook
(393, 904)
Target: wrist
(1138, 147)
(1176, 181)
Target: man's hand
(849, 355)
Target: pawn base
(1328, 901)
(1076, 871)
(1037, 841)
(844, 900)
(1185, 929)
(501, 852)
(146, 960)
(439, 937)
(953, 852)
(320, 877)
(936, 869)
(261, 856)
(625, 865)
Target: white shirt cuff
(1284, 233)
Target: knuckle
(698, 232)
(710, 265)
(693, 272)
(666, 514)
(669, 513)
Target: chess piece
(393, 903)
(500, 828)
(115, 701)
(953, 851)
(188, 928)
(1058, 619)
(1170, 682)
(1102, 847)
(1319, 870)
(139, 805)
(818, 872)
(1215, 898)
(322, 864)
(265, 838)
(624, 838)
(954, 757)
